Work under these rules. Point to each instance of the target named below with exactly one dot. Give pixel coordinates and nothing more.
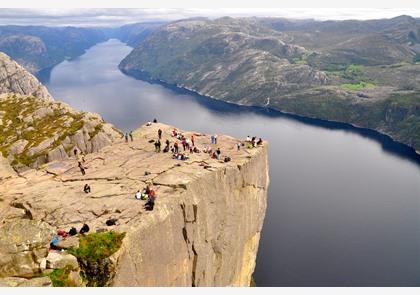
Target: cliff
(205, 226)
(14, 78)
(34, 129)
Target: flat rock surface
(54, 193)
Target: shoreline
(329, 124)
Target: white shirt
(138, 195)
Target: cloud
(120, 16)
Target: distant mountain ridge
(365, 73)
(38, 47)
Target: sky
(118, 16)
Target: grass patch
(357, 86)
(96, 246)
(60, 277)
(93, 256)
(98, 128)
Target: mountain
(202, 53)
(39, 47)
(134, 34)
(34, 129)
(14, 78)
(360, 72)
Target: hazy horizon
(113, 17)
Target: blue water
(344, 204)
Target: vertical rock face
(208, 236)
(14, 78)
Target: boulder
(57, 154)
(23, 244)
(69, 242)
(18, 146)
(61, 260)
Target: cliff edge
(203, 231)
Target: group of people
(252, 142)
(62, 235)
(147, 194)
(130, 134)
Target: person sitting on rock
(73, 231)
(85, 228)
(174, 132)
(154, 120)
(86, 189)
(54, 242)
(150, 201)
(218, 152)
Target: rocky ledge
(14, 78)
(203, 231)
(34, 131)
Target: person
(138, 195)
(184, 143)
(82, 169)
(176, 150)
(160, 133)
(86, 189)
(196, 150)
(212, 139)
(248, 139)
(111, 222)
(54, 242)
(148, 123)
(157, 146)
(192, 140)
(238, 145)
(259, 141)
(75, 152)
(126, 137)
(73, 231)
(227, 159)
(154, 120)
(174, 132)
(85, 228)
(150, 201)
(131, 135)
(218, 152)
